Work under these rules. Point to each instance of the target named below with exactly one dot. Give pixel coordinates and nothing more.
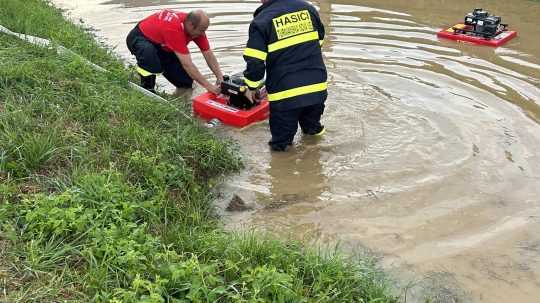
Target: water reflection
(296, 177)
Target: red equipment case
(209, 106)
(498, 40)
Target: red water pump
(481, 28)
(231, 107)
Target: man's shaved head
(196, 23)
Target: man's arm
(255, 55)
(213, 64)
(319, 25)
(195, 74)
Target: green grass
(105, 195)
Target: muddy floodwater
(431, 159)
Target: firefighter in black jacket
(285, 39)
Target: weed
(105, 195)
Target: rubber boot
(319, 132)
(148, 82)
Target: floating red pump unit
(480, 27)
(209, 106)
(231, 106)
(456, 33)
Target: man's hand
(214, 89)
(195, 74)
(218, 84)
(250, 95)
(218, 81)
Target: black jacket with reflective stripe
(285, 39)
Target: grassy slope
(105, 194)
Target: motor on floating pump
(484, 24)
(234, 87)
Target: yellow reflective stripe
(323, 130)
(252, 84)
(321, 42)
(293, 92)
(293, 41)
(255, 53)
(144, 72)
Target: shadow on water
(431, 155)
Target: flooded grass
(105, 195)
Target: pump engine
(481, 23)
(234, 87)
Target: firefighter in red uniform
(159, 44)
(285, 39)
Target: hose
(63, 51)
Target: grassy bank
(105, 194)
